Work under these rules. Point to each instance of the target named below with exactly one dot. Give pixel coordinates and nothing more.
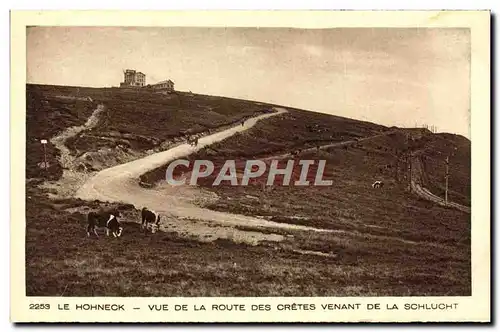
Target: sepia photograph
(248, 162)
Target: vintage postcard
(250, 166)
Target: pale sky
(390, 76)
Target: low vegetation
(46, 116)
(62, 261)
(409, 229)
(380, 242)
(134, 120)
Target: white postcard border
(473, 308)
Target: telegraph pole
(408, 160)
(409, 171)
(44, 142)
(396, 175)
(446, 176)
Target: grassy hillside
(458, 149)
(47, 115)
(350, 206)
(386, 242)
(61, 261)
(281, 134)
(433, 150)
(134, 119)
(153, 118)
(351, 203)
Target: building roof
(166, 81)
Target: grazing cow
(377, 184)
(150, 220)
(103, 219)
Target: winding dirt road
(334, 145)
(177, 203)
(66, 160)
(120, 184)
(417, 179)
(416, 165)
(71, 177)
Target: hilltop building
(163, 86)
(132, 78)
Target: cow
(104, 219)
(150, 220)
(377, 184)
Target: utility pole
(408, 160)
(409, 171)
(447, 175)
(44, 143)
(396, 175)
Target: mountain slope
(380, 242)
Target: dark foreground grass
(62, 261)
(386, 243)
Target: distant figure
(243, 123)
(377, 184)
(193, 141)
